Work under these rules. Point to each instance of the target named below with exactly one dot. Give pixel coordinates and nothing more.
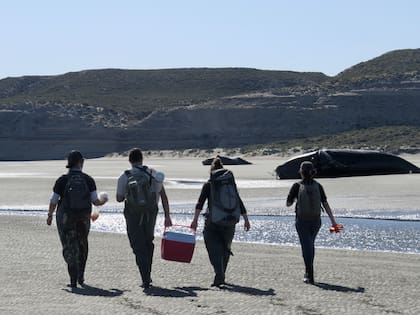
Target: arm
(244, 214)
(329, 212)
(294, 191)
(96, 201)
(205, 191)
(326, 206)
(165, 205)
(53, 205)
(247, 225)
(194, 222)
(121, 188)
(51, 210)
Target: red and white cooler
(178, 243)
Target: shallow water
(360, 203)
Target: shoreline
(263, 279)
(321, 236)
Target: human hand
(49, 219)
(336, 228)
(103, 197)
(194, 224)
(247, 225)
(168, 221)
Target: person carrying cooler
(309, 195)
(140, 188)
(224, 210)
(74, 194)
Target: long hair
(307, 170)
(216, 164)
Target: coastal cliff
(104, 111)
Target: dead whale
(228, 161)
(343, 163)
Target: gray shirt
(157, 182)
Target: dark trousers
(307, 231)
(218, 240)
(73, 231)
(140, 231)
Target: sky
(49, 37)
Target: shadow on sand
(339, 288)
(88, 290)
(247, 290)
(178, 292)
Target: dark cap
(306, 166)
(73, 158)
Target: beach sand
(264, 279)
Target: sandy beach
(265, 279)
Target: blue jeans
(307, 231)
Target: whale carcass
(227, 161)
(340, 163)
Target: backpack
(224, 205)
(308, 206)
(76, 197)
(140, 199)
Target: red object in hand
(336, 228)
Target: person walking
(140, 188)
(309, 196)
(73, 195)
(224, 210)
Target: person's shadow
(178, 292)
(88, 290)
(247, 290)
(339, 288)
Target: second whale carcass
(342, 163)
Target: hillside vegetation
(148, 90)
(374, 104)
(394, 65)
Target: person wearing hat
(73, 195)
(309, 196)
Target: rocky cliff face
(32, 127)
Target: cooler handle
(180, 225)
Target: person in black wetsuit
(218, 238)
(309, 196)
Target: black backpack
(140, 198)
(76, 197)
(224, 202)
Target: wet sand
(264, 279)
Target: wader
(140, 231)
(218, 240)
(73, 231)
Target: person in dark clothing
(218, 238)
(309, 195)
(73, 215)
(141, 226)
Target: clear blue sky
(54, 37)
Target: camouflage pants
(73, 232)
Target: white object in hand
(103, 196)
